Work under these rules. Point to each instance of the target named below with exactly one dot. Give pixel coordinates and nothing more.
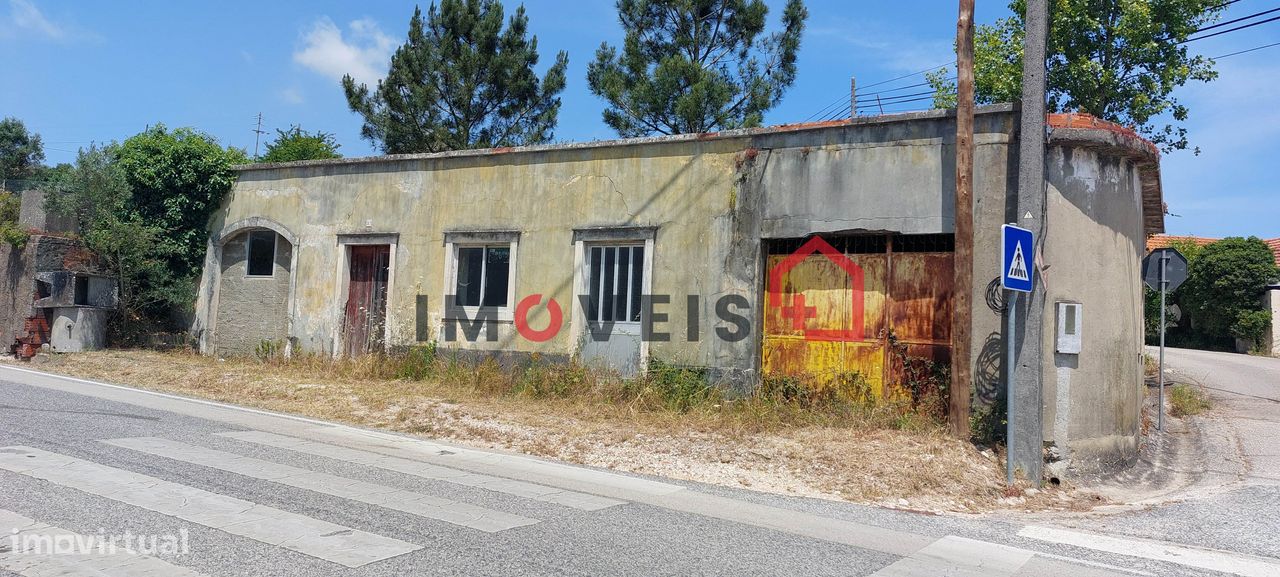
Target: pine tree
(695, 65)
(461, 81)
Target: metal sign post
(1168, 273)
(1017, 269)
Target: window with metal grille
(615, 283)
(483, 276)
(262, 253)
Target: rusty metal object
(907, 298)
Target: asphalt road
(1235, 499)
(226, 491)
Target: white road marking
(533, 491)
(29, 552)
(1201, 558)
(529, 467)
(446, 510)
(321, 539)
(959, 557)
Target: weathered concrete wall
(251, 309)
(711, 200)
(1093, 249)
(17, 289)
(19, 268)
(33, 216)
(1273, 301)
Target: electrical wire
(1241, 19)
(948, 79)
(1219, 33)
(931, 69)
(1249, 50)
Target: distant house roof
(1163, 240)
(1275, 248)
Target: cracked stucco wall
(712, 200)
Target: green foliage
(96, 193)
(461, 81)
(1178, 329)
(417, 363)
(269, 350)
(1119, 60)
(1186, 400)
(680, 388)
(690, 66)
(1224, 287)
(297, 144)
(543, 379)
(177, 179)
(143, 207)
(21, 152)
(10, 232)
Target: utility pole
(257, 133)
(1026, 442)
(962, 315)
(853, 97)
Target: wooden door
(366, 311)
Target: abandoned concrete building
(52, 297)
(668, 249)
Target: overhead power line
(1249, 50)
(1221, 32)
(1241, 19)
(930, 69)
(948, 79)
(827, 109)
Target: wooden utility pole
(962, 315)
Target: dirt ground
(921, 469)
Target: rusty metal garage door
(825, 323)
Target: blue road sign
(1018, 265)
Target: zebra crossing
(342, 545)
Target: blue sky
(78, 72)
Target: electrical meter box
(1069, 331)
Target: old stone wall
(251, 309)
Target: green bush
(679, 388)
(417, 363)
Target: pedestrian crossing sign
(1018, 247)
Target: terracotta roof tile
(1163, 240)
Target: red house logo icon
(798, 312)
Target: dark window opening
(484, 276)
(615, 283)
(870, 243)
(82, 291)
(262, 253)
(924, 243)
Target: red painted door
(366, 312)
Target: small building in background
(53, 297)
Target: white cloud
(291, 96)
(893, 51)
(25, 17)
(363, 53)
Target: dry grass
(667, 424)
(1187, 399)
